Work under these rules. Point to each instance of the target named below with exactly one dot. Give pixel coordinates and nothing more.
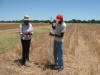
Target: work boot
(60, 69)
(22, 62)
(27, 59)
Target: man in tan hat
(26, 31)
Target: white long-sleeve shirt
(25, 28)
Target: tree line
(83, 21)
(47, 21)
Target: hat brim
(26, 19)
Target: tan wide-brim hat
(27, 18)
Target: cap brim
(58, 20)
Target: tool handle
(51, 24)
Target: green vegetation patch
(11, 37)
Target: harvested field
(81, 54)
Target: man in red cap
(60, 29)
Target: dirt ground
(81, 54)
(4, 26)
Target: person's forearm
(59, 35)
(53, 27)
(51, 23)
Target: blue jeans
(58, 53)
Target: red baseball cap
(59, 17)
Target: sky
(43, 9)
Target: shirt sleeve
(32, 31)
(63, 29)
(20, 29)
